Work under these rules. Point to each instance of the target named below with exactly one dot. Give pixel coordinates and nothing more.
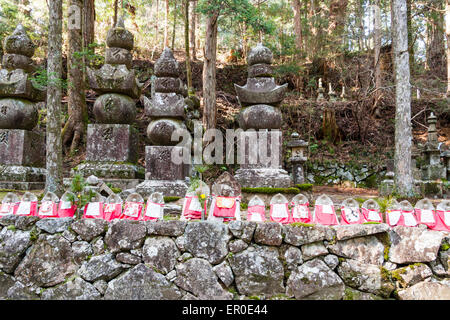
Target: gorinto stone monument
(111, 151)
(260, 117)
(167, 112)
(22, 149)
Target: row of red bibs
(438, 220)
(227, 208)
(192, 208)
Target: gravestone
(167, 112)
(260, 98)
(111, 150)
(22, 149)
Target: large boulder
(88, 229)
(197, 276)
(412, 274)
(48, 263)
(6, 282)
(125, 235)
(344, 232)
(365, 249)
(171, 228)
(410, 245)
(299, 235)
(426, 291)
(242, 229)
(76, 289)
(313, 250)
(268, 233)
(103, 267)
(141, 283)
(207, 240)
(12, 246)
(365, 277)
(258, 270)
(160, 253)
(314, 280)
(54, 225)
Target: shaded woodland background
(347, 43)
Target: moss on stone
(11, 227)
(301, 224)
(171, 199)
(304, 186)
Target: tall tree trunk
(404, 182)
(209, 72)
(174, 24)
(89, 23)
(447, 35)
(75, 126)
(436, 46)
(156, 43)
(116, 9)
(298, 25)
(193, 31)
(54, 178)
(410, 33)
(166, 25)
(186, 45)
(376, 56)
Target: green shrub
(304, 186)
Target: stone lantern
(298, 157)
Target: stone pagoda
(111, 151)
(22, 150)
(260, 98)
(167, 113)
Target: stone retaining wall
(93, 259)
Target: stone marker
(22, 151)
(167, 112)
(111, 151)
(260, 98)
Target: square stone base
(109, 170)
(159, 164)
(175, 188)
(256, 178)
(22, 148)
(16, 173)
(23, 186)
(111, 143)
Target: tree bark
(209, 72)
(298, 25)
(116, 5)
(89, 23)
(436, 47)
(54, 179)
(186, 44)
(166, 25)
(193, 31)
(75, 126)
(404, 183)
(174, 24)
(376, 56)
(447, 35)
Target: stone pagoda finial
(331, 92)
(320, 91)
(432, 132)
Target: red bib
(256, 214)
(351, 216)
(7, 208)
(279, 212)
(66, 209)
(48, 209)
(325, 215)
(153, 211)
(112, 211)
(427, 217)
(371, 215)
(442, 221)
(93, 210)
(301, 213)
(26, 208)
(225, 207)
(192, 208)
(132, 211)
